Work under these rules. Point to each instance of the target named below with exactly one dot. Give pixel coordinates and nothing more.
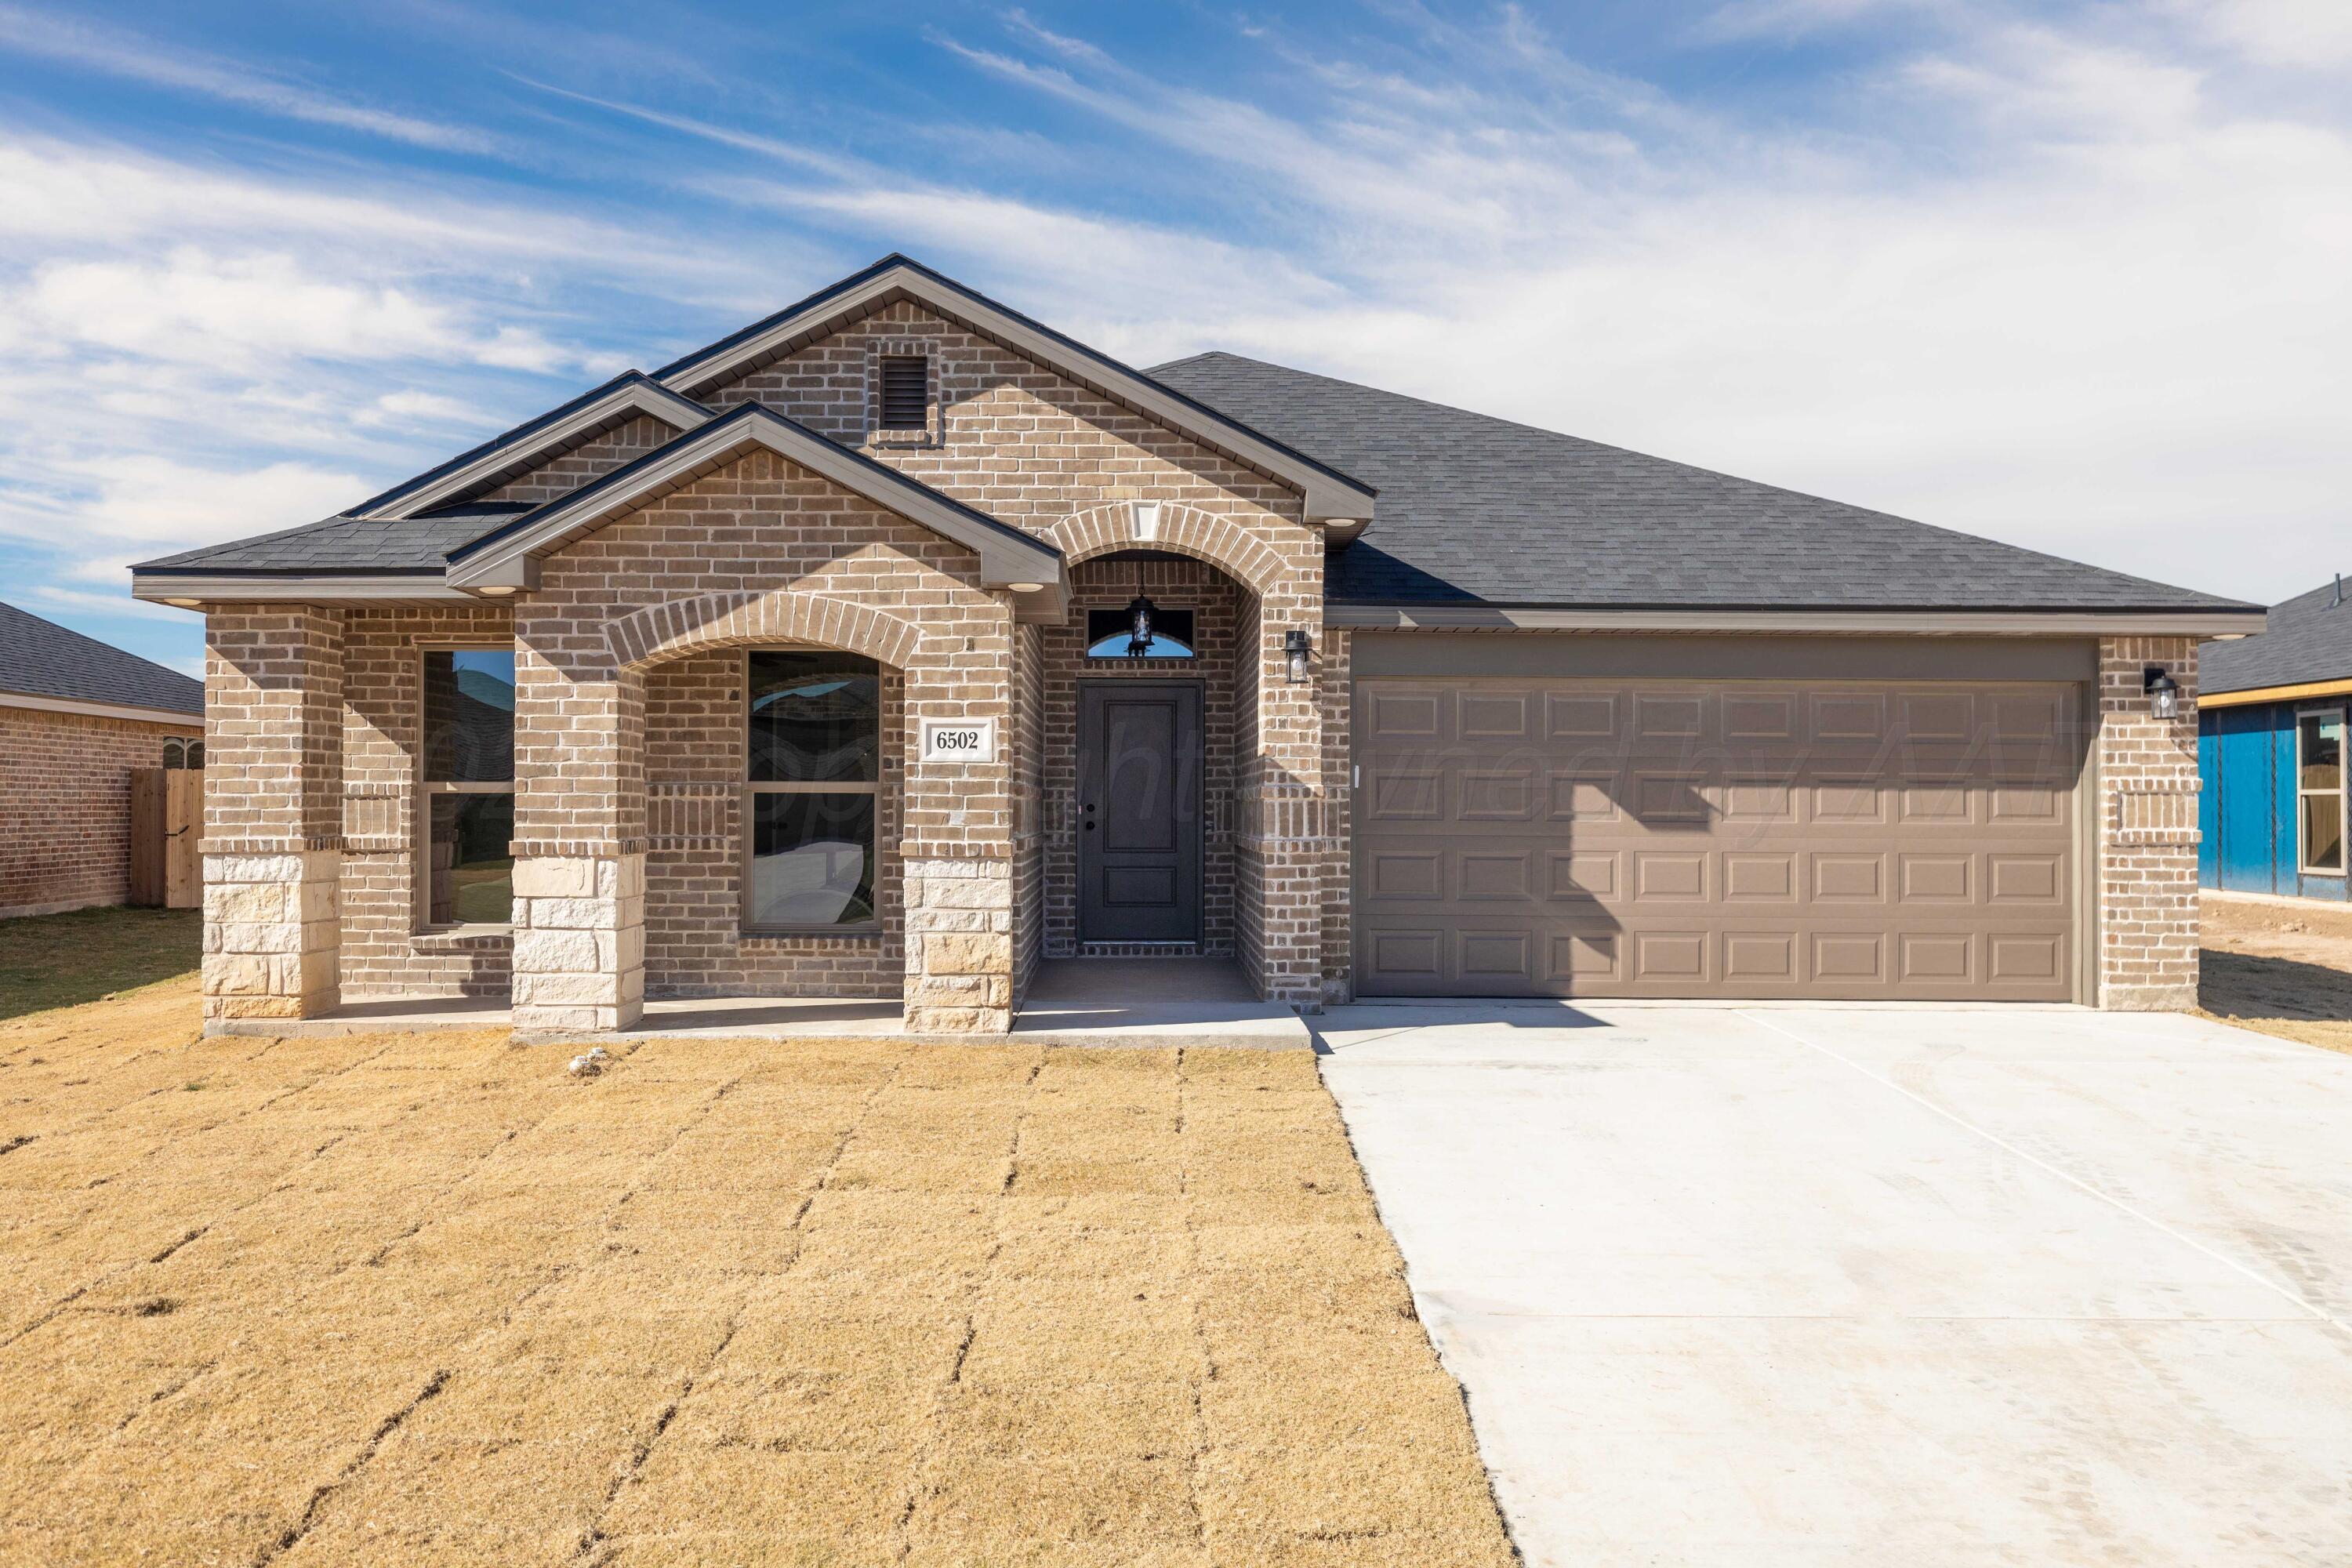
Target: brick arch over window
(1221, 541)
(662, 632)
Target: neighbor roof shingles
(1479, 509)
(42, 659)
(2309, 639)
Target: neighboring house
(76, 716)
(2271, 730)
(816, 642)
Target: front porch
(1090, 1002)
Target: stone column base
(579, 943)
(2148, 999)
(272, 934)
(959, 946)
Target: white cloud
(167, 505)
(122, 54)
(2298, 34)
(421, 408)
(2041, 283)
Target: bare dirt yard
(424, 1299)
(2282, 968)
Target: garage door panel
(1632, 839)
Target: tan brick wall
(65, 805)
(1029, 762)
(1107, 585)
(763, 552)
(384, 952)
(273, 810)
(2147, 833)
(1335, 682)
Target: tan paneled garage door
(1624, 837)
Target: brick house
(899, 643)
(76, 716)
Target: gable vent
(906, 392)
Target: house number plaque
(959, 740)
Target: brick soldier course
(631, 548)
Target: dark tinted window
(815, 718)
(469, 700)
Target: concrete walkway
(1876, 1286)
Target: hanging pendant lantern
(1140, 611)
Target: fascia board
(226, 588)
(86, 708)
(2044, 623)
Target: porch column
(1286, 836)
(579, 835)
(956, 869)
(273, 811)
(2148, 784)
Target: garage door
(1622, 837)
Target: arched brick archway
(1182, 530)
(662, 632)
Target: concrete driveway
(1884, 1286)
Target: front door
(1139, 811)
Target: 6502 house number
(959, 741)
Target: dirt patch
(426, 1298)
(2285, 970)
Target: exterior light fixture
(498, 590)
(1140, 611)
(2163, 691)
(1026, 587)
(185, 603)
(1294, 650)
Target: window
(2319, 789)
(187, 754)
(468, 819)
(1107, 635)
(813, 769)
(906, 392)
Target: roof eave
(1328, 495)
(194, 590)
(1927, 621)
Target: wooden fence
(167, 821)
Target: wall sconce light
(1294, 650)
(2163, 691)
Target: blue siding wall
(2246, 757)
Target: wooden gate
(167, 821)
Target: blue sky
(2068, 275)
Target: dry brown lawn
(422, 1298)
(2284, 969)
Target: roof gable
(1329, 495)
(535, 442)
(505, 556)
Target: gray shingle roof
(2310, 638)
(41, 659)
(348, 545)
(1474, 509)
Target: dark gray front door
(1139, 811)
